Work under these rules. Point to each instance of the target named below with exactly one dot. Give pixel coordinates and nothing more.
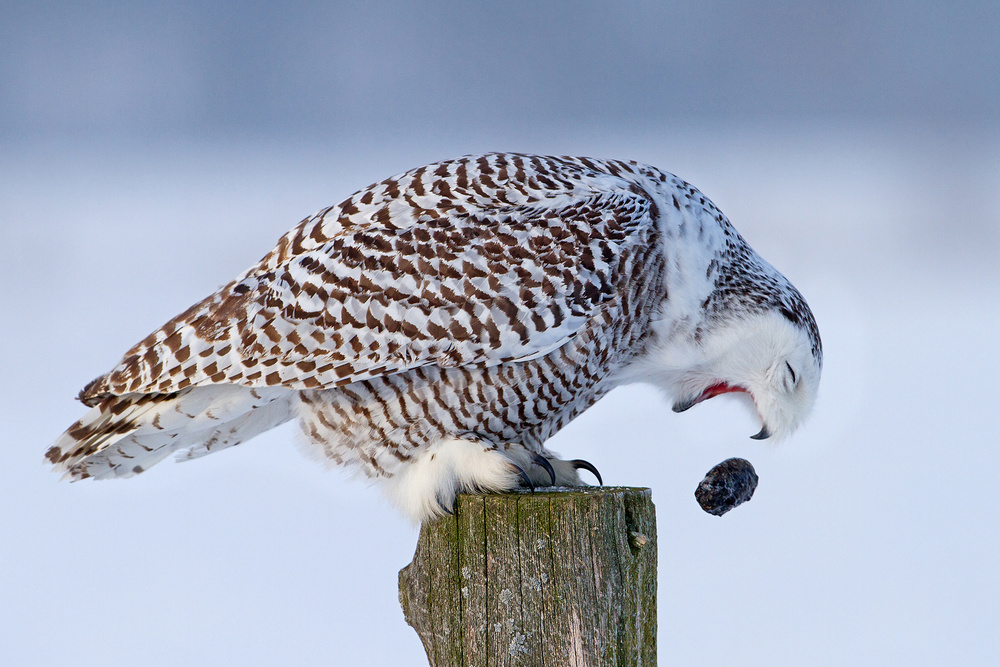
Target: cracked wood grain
(562, 577)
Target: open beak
(716, 390)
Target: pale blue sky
(151, 151)
(225, 67)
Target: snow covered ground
(872, 538)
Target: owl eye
(791, 372)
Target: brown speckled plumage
(490, 297)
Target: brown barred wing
(471, 262)
(472, 291)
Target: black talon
(445, 508)
(587, 465)
(524, 477)
(544, 462)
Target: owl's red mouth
(713, 391)
(719, 388)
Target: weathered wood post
(563, 577)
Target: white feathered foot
(427, 488)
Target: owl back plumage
(470, 263)
(434, 329)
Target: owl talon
(587, 465)
(444, 508)
(524, 477)
(544, 463)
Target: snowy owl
(433, 330)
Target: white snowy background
(148, 154)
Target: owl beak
(715, 390)
(686, 404)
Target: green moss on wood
(545, 578)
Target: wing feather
(473, 262)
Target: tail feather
(125, 458)
(240, 430)
(125, 435)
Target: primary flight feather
(433, 330)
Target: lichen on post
(561, 577)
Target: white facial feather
(765, 354)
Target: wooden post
(564, 577)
